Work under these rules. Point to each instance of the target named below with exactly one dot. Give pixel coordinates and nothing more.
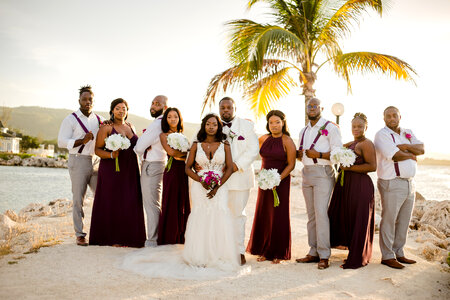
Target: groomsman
(149, 148)
(244, 150)
(397, 149)
(77, 134)
(317, 140)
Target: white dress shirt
(386, 149)
(71, 130)
(325, 143)
(151, 138)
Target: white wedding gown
(210, 249)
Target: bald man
(149, 148)
(397, 149)
(317, 140)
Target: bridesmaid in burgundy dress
(351, 209)
(271, 232)
(117, 214)
(175, 206)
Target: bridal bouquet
(211, 178)
(116, 142)
(269, 179)
(344, 156)
(177, 141)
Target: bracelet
(320, 156)
(111, 155)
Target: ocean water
(20, 186)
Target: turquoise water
(20, 186)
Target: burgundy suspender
(84, 128)
(315, 140)
(397, 169)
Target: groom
(149, 148)
(244, 150)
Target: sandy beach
(68, 271)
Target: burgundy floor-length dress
(352, 216)
(175, 206)
(117, 214)
(271, 231)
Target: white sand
(68, 271)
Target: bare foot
(261, 258)
(276, 261)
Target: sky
(141, 48)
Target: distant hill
(44, 122)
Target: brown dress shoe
(405, 260)
(243, 261)
(308, 259)
(323, 264)
(81, 241)
(393, 263)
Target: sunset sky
(138, 49)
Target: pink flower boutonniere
(408, 136)
(323, 131)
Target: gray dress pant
(83, 171)
(317, 186)
(151, 186)
(397, 202)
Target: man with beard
(149, 148)
(77, 134)
(244, 150)
(397, 149)
(317, 140)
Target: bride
(210, 248)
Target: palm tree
(268, 58)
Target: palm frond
(252, 42)
(369, 62)
(263, 94)
(339, 25)
(227, 80)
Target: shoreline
(45, 233)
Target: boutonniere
(408, 136)
(232, 134)
(323, 131)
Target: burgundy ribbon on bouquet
(84, 127)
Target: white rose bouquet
(177, 141)
(342, 156)
(116, 142)
(269, 179)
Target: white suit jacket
(244, 150)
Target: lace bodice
(215, 164)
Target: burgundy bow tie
(227, 124)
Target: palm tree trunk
(308, 90)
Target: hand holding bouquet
(269, 179)
(116, 142)
(342, 156)
(177, 141)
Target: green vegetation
(8, 156)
